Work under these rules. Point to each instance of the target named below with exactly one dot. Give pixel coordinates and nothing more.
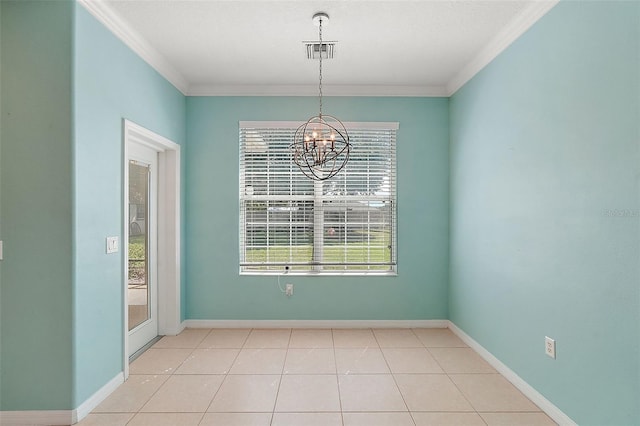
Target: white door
(142, 253)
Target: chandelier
(321, 145)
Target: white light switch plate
(112, 245)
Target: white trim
(312, 90)
(145, 136)
(103, 13)
(536, 397)
(94, 400)
(169, 242)
(61, 417)
(518, 26)
(125, 249)
(38, 417)
(181, 327)
(168, 224)
(316, 323)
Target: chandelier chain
(321, 146)
(320, 81)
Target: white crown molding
(500, 42)
(518, 26)
(103, 13)
(316, 323)
(536, 397)
(312, 90)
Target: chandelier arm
(309, 166)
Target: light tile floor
(302, 377)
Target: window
(346, 224)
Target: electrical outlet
(288, 289)
(550, 347)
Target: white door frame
(168, 231)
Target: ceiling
(384, 48)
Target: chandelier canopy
(321, 145)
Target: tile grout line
(393, 377)
(275, 401)
(139, 411)
(165, 382)
(182, 363)
(454, 383)
(191, 350)
(335, 364)
(225, 376)
(425, 347)
(176, 369)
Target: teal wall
(67, 84)
(545, 212)
(111, 83)
(36, 206)
(534, 164)
(217, 291)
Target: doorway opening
(151, 249)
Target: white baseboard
(66, 417)
(94, 400)
(39, 417)
(60, 417)
(174, 331)
(316, 323)
(536, 397)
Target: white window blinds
(346, 224)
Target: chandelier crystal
(321, 145)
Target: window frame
(317, 241)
